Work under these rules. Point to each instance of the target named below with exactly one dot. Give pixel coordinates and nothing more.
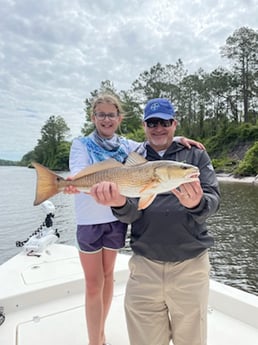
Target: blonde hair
(107, 98)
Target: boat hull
(43, 302)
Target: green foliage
(132, 114)
(248, 132)
(52, 150)
(229, 137)
(137, 135)
(249, 165)
(62, 156)
(28, 158)
(225, 165)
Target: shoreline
(230, 178)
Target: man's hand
(107, 193)
(189, 194)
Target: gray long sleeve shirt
(166, 230)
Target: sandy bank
(231, 178)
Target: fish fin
(145, 201)
(47, 183)
(134, 159)
(107, 164)
(150, 185)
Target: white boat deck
(44, 304)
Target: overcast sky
(53, 53)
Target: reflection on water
(234, 257)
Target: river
(234, 257)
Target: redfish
(137, 178)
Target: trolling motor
(45, 235)
(2, 316)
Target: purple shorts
(92, 238)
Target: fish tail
(47, 183)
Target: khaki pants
(167, 301)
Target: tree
(132, 114)
(159, 81)
(221, 105)
(51, 148)
(194, 108)
(242, 47)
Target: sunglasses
(153, 123)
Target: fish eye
(184, 167)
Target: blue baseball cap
(160, 108)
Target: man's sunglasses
(152, 123)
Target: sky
(54, 53)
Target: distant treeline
(9, 163)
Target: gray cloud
(54, 53)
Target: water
(19, 218)
(234, 257)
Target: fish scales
(136, 178)
(130, 180)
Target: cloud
(54, 53)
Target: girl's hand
(190, 142)
(70, 189)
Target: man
(167, 292)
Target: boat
(42, 299)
